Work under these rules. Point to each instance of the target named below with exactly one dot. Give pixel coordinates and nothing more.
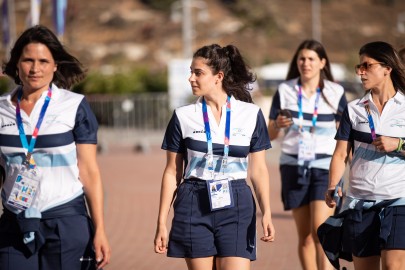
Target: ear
(387, 70)
(323, 63)
(220, 76)
(55, 68)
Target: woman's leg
(319, 213)
(306, 245)
(366, 263)
(232, 263)
(393, 259)
(206, 263)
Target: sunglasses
(365, 66)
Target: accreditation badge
(24, 189)
(220, 194)
(306, 146)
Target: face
(309, 64)
(203, 81)
(36, 67)
(372, 73)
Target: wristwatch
(403, 145)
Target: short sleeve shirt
(186, 134)
(374, 175)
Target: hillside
(123, 33)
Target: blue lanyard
(209, 137)
(23, 137)
(301, 114)
(370, 120)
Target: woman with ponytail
(209, 147)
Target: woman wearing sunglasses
(373, 130)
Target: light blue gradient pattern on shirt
(377, 157)
(199, 164)
(46, 159)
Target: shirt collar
(399, 97)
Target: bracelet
(400, 143)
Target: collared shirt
(186, 134)
(374, 175)
(68, 121)
(329, 111)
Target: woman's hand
(330, 198)
(386, 144)
(102, 249)
(161, 239)
(268, 229)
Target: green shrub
(139, 80)
(5, 84)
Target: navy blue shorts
(198, 232)
(68, 244)
(295, 192)
(370, 236)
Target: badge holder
(25, 188)
(220, 194)
(306, 147)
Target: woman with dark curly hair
(48, 140)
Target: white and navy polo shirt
(68, 121)
(186, 134)
(329, 112)
(374, 175)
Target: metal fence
(138, 120)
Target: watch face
(403, 146)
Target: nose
(191, 78)
(34, 67)
(359, 71)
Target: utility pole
(316, 20)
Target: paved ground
(132, 185)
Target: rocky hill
(125, 33)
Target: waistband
(203, 183)
(77, 206)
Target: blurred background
(138, 51)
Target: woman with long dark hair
(306, 109)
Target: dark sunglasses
(365, 66)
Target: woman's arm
(89, 174)
(337, 168)
(261, 184)
(171, 179)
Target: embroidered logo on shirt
(397, 123)
(238, 132)
(198, 131)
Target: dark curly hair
(69, 71)
(237, 75)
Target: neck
(217, 101)
(384, 94)
(310, 85)
(31, 96)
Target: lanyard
(370, 120)
(301, 114)
(23, 137)
(209, 137)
